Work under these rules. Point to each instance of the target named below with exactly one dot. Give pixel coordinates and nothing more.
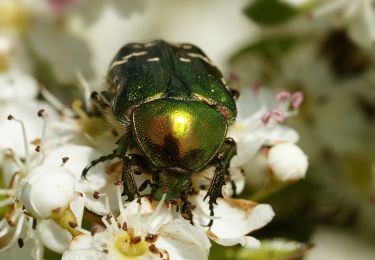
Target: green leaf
(270, 48)
(270, 12)
(271, 249)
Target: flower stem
(272, 187)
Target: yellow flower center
(128, 245)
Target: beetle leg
(186, 209)
(221, 172)
(133, 164)
(119, 152)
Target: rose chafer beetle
(172, 104)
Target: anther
(125, 226)
(96, 195)
(40, 112)
(151, 238)
(135, 240)
(20, 242)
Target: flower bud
(47, 190)
(287, 161)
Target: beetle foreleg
(96, 161)
(221, 172)
(133, 164)
(186, 209)
(119, 152)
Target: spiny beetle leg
(145, 184)
(221, 172)
(215, 189)
(96, 161)
(119, 152)
(133, 164)
(186, 209)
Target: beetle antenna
(24, 136)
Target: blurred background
(323, 48)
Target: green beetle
(172, 104)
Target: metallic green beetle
(172, 104)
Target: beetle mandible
(172, 104)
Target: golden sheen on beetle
(172, 104)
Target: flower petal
(183, 241)
(235, 217)
(53, 236)
(245, 241)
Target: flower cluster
(45, 198)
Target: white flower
(142, 232)
(78, 157)
(234, 219)
(46, 189)
(287, 161)
(39, 190)
(357, 16)
(258, 122)
(18, 98)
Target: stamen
(106, 223)
(86, 89)
(6, 202)
(43, 115)
(277, 115)
(120, 205)
(266, 117)
(282, 96)
(56, 103)
(4, 231)
(6, 191)
(16, 233)
(12, 156)
(297, 99)
(156, 212)
(26, 145)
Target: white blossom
(142, 231)
(258, 123)
(234, 219)
(287, 161)
(46, 189)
